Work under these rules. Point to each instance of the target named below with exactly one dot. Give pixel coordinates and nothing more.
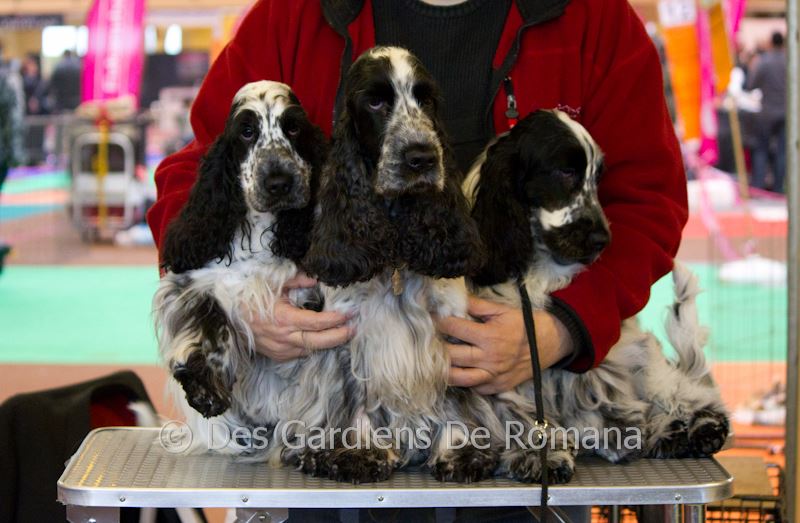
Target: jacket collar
(341, 13)
(540, 11)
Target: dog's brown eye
(376, 104)
(248, 133)
(293, 131)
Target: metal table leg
(78, 514)
(262, 515)
(694, 513)
(660, 513)
(614, 516)
(673, 513)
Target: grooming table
(127, 467)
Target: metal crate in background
(762, 505)
(765, 505)
(119, 191)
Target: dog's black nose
(278, 184)
(420, 158)
(598, 240)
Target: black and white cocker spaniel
(237, 241)
(391, 236)
(534, 197)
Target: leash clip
(540, 428)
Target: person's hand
(496, 357)
(293, 332)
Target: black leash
(530, 331)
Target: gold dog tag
(397, 282)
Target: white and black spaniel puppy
(228, 254)
(391, 234)
(534, 197)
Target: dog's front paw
(526, 466)
(311, 462)
(673, 443)
(466, 465)
(707, 433)
(206, 391)
(359, 465)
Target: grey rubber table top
(117, 467)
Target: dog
(227, 256)
(391, 238)
(533, 194)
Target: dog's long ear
(292, 228)
(205, 228)
(351, 240)
(502, 219)
(438, 236)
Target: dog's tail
(684, 331)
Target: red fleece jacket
(594, 61)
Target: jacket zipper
(505, 68)
(508, 64)
(512, 113)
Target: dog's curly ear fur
(291, 232)
(438, 236)
(351, 240)
(205, 228)
(503, 222)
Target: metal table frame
(127, 467)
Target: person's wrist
(565, 345)
(552, 337)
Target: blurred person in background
(769, 76)
(65, 83)
(34, 85)
(12, 103)
(36, 104)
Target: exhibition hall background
(79, 269)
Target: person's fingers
(469, 377)
(301, 280)
(464, 355)
(481, 308)
(327, 339)
(305, 320)
(468, 331)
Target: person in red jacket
(588, 58)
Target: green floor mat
(17, 212)
(92, 315)
(39, 182)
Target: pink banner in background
(708, 116)
(735, 12)
(113, 65)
